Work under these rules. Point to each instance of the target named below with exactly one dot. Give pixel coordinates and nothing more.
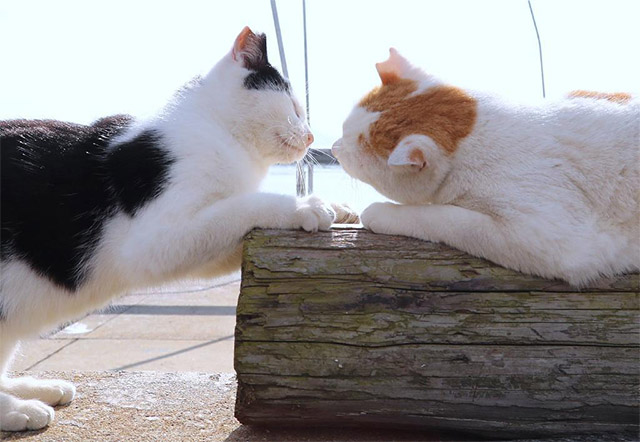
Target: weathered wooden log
(350, 328)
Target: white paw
(345, 214)
(49, 391)
(21, 415)
(379, 218)
(313, 214)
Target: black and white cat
(89, 212)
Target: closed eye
(296, 109)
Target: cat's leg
(50, 391)
(18, 414)
(155, 252)
(533, 246)
(465, 229)
(25, 402)
(476, 233)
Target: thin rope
(309, 188)
(533, 17)
(306, 60)
(301, 187)
(276, 22)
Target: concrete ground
(173, 329)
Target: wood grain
(350, 328)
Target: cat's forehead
(267, 78)
(359, 121)
(403, 107)
(388, 96)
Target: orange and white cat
(550, 189)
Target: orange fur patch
(617, 97)
(444, 113)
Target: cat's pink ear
(393, 68)
(250, 49)
(411, 153)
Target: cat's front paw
(345, 214)
(379, 218)
(20, 415)
(313, 214)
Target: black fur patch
(267, 77)
(139, 170)
(263, 75)
(60, 183)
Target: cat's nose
(336, 147)
(308, 139)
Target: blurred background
(76, 60)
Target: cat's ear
(411, 153)
(250, 49)
(393, 68)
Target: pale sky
(78, 60)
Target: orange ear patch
(444, 113)
(241, 41)
(616, 97)
(416, 156)
(388, 77)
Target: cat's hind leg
(20, 415)
(50, 391)
(25, 403)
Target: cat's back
(599, 135)
(54, 190)
(52, 159)
(582, 151)
(594, 139)
(593, 120)
(55, 135)
(32, 148)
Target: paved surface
(179, 328)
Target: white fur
(552, 189)
(224, 139)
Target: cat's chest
(205, 186)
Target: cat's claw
(313, 214)
(20, 415)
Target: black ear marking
(254, 53)
(263, 75)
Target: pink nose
(308, 139)
(335, 148)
